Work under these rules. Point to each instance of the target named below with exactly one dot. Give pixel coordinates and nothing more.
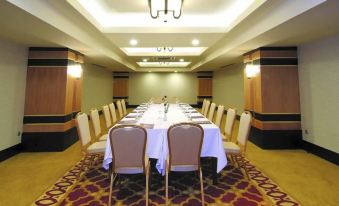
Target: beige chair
(239, 147)
(207, 106)
(113, 112)
(123, 105)
(121, 115)
(94, 114)
(172, 100)
(107, 116)
(211, 112)
(203, 106)
(184, 144)
(220, 113)
(128, 144)
(229, 123)
(88, 145)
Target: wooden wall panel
(280, 89)
(120, 87)
(49, 127)
(49, 54)
(276, 125)
(278, 54)
(45, 90)
(69, 94)
(77, 95)
(205, 86)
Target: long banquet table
(157, 125)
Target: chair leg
(242, 167)
(147, 185)
(166, 188)
(110, 189)
(232, 160)
(202, 189)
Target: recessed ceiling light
(181, 60)
(195, 42)
(145, 60)
(133, 42)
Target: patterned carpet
(233, 188)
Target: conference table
(157, 122)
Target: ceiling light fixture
(145, 60)
(133, 42)
(158, 7)
(182, 60)
(195, 42)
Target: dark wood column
(273, 97)
(52, 99)
(120, 86)
(205, 86)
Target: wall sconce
(74, 71)
(251, 70)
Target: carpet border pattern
(267, 186)
(55, 194)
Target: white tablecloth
(157, 146)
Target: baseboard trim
(275, 139)
(320, 152)
(10, 152)
(49, 141)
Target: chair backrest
(184, 144)
(157, 100)
(220, 113)
(206, 108)
(113, 113)
(244, 128)
(82, 124)
(94, 114)
(119, 108)
(203, 106)
(230, 119)
(128, 145)
(107, 116)
(211, 112)
(123, 105)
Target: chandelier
(158, 7)
(164, 49)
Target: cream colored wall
(97, 87)
(319, 92)
(143, 86)
(228, 87)
(13, 69)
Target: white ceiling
(263, 23)
(199, 16)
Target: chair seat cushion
(132, 170)
(184, 168)
(97, 147)
(103, 137)
(231, 147)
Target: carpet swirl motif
(232, 189)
